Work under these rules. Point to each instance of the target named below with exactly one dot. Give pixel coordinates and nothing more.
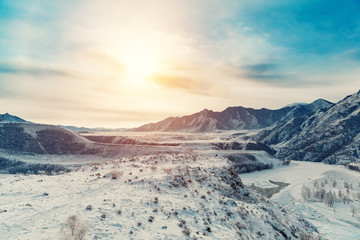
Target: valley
(335, 222)
(198, 182)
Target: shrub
(116, 174)
(167, 170)
(89, 207)
(74, 229)
(186, 231)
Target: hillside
(233, 118)
(43, 139)
(162, 196)
(32, 148)
(331, 135)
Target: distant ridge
(234, 118)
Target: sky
(116, 63)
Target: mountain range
(234, 118)
(319, 131)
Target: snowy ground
(334, 222)
(163, 196)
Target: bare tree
(334, 183)
(340, 194)
(316, 184)
(329, 199)
(305, 193)
(74, 229)
(353, 210)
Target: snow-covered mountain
(10, 118)
(331, 135)
(234, 118)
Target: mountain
(100, 129)
(31, 138)
(234, 118)
(10, 118)
(331, 135)
(43, 139)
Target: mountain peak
(321, 103)
(205, 110)
(10, 118)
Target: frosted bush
(73, 229)
(116, 173)
(167, 170)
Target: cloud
(33, 71)
(262, 67)
(267, 72)
(271, 74)
(184, 83)
(355, 55)
(107, 61)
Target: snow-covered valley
(173, 186)
(336, 222)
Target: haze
(124, 63)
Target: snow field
(162, 196)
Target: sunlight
(140, 62)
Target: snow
(182, 192)
(340, 225)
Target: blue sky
(121, 63)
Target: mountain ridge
(233, 118)
(330, 136)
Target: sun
(140, 62)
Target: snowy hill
(233, 118)
(31, 148)
(31, 138)
(43, 139)
(331, 135)
(162, 196)
(10, 118)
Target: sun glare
(139, 62)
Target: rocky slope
(234, 118)
(331, 135)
